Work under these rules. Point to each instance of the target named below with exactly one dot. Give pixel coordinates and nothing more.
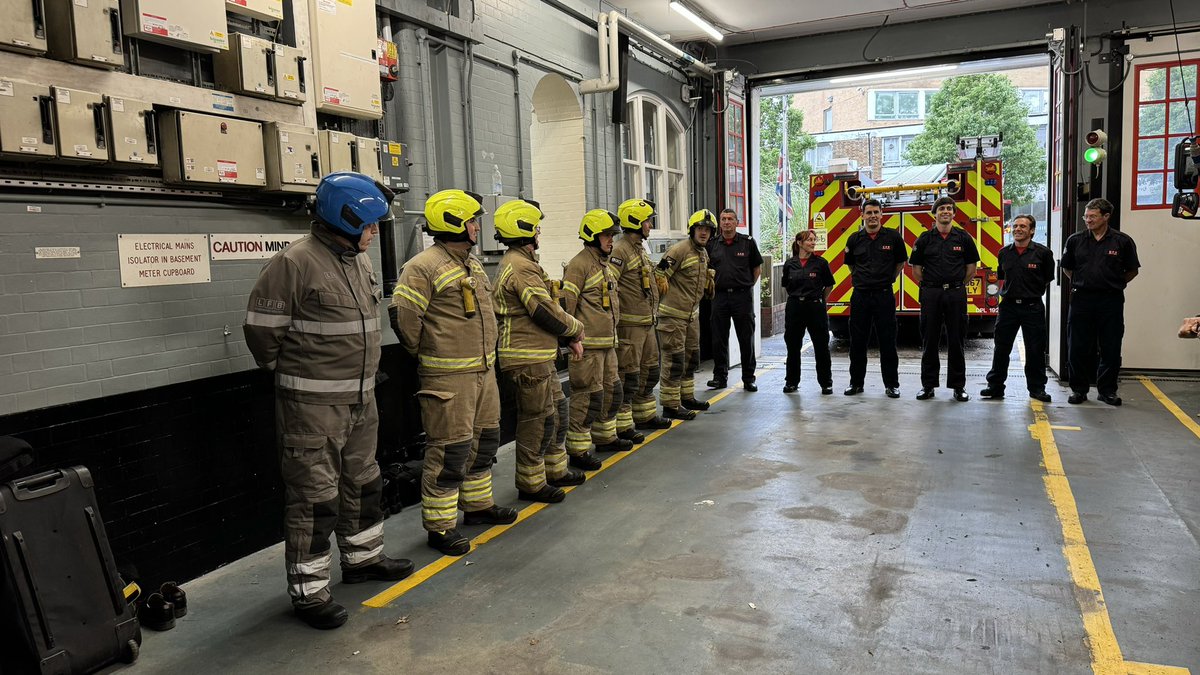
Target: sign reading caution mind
(163, 259)
(250, 246)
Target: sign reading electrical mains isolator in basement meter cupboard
(263, 10)
(24, 26)
(26, 121)
(163, 259)
(133, 134)
(79, 125)
(293, 158)
(198, 25)
(345, 64)
(87, 32)
(211, 150)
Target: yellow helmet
(598, 221)
(634, 212)
(447, 212)
(518, 220)
(702, 218)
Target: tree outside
(980, 105)
(770, 145)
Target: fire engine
(977, 185)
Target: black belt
(803, 299)
(956, 284)
(733, 290)
(1023, 301)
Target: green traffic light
(1093, 155)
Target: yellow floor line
(1062, 427)
(1170, 405)
(1102, 641)
(425, 573)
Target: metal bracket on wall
(43, 184)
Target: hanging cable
(1187, 100)
(872, 39)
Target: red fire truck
(977, 187)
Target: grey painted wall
(69, 332)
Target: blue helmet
(348, 202)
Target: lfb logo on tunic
(956, 248)
(885, 247)
(1112, 252)
(1032, 266)
(740, 254)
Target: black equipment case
(61, 599)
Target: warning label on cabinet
(227, 171)
(154, 25)
(331, 95)
(163, 259)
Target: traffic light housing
(1095, 152)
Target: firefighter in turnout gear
(637, 350)
(683, 279)
(531, 326)
(589, 294)
(442, 313)
(314, 319)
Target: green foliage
(978, 105)
(1152, 117)
(770, 144)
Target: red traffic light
(1095, 137)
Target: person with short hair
(683, 279)
(737, 264)
(1100, 262)
(806, 279)
(874, 255)
(944, 261)
(1026, 268)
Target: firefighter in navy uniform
(737, 264)
(1100, 262)
(806, 279)
(532, 324)
(314, 319)
(442, 312)
(637, 352)
(944, 261)
(1027, 268)
(683, 279)
(589, 293)
(874, 255)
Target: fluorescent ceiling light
(694, 18)
(893, 74)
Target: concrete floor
(782, 534)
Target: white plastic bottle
(497, 180)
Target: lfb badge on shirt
(1113, 252)
(740, 254)
(957, 249)
(885, 247)
(812, 275)
(1031, 266)
(616, 261)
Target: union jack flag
(783, 192)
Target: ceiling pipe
(608, 27)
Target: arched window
(654, 144)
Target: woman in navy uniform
(807, 280)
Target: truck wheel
(131, 651)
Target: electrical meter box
(24, 26)
(26, 121)
(79, 125)
(366, 157)
(210, 150)
(132, 132)
(291, 84)
(345, 65)
(88, 33)
(394, 160)
(263, 10)
(293, 157)
(198, 25)
(247, 67)
(337, 150)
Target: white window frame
(922, 95)
(671, 218)
(1043, 92)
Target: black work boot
(992, 392)
(616, 445)
(571, 477)
(493, 515)
(450, 542)
(547, 495)
(384, 569)
(654, 423)
(173, 594)
(631, 436)
(586, 461)
(325, 617)
(717, 383)
(693, 404)
(157, 613)
(679, 414)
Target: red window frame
(1168, 170)
(1056, 142)
(735, 131)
